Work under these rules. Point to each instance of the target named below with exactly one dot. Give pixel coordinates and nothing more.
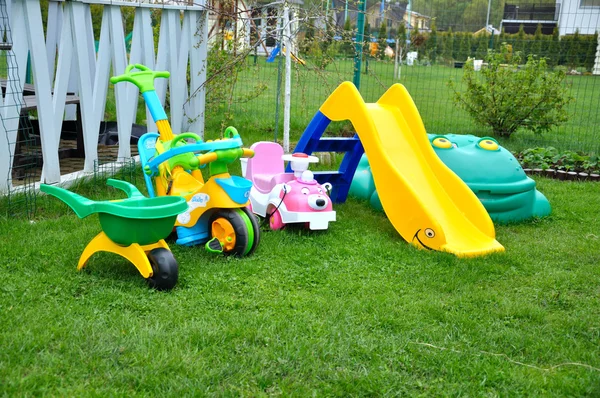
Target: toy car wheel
(255, 227)
(275, 220)
(234, 230)
(165, 270)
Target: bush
(321, 59)
(509, 97)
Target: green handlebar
(183, 136)
(143, 79)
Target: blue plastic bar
(153, 103)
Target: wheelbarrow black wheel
(165, 270)
(235, 231)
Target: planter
(538, 172)
(561, 175)
(594, 177)
(582, 176)
(571, 175)
(549, 173)
(527, 171)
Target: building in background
(567, 15)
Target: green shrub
(550, 158)
(509, 97)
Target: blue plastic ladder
(312, 140)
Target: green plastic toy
(491, 171)
(134, 228)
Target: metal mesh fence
(431, 40)
(18, 185)
(110, 167)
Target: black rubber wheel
(234, 230)
(165, 270)
(255, 226)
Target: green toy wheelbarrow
(134, 228)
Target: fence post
(288, 76)
(360, 28)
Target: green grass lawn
(428, 87)
(352, 311)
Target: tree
(536, 45)
(456, 46)
(500, 40)
(482, 46)
(475, 14)
(464, 47)
(590, 57)
(367, 45)
(509, 98)
(554, 48)
(401, 35)
(574, 50)
(401, 38)
(417, 41)
(431, 44)
(347, 44)
(382, 41)
(309, 37)
(519, 45)
(329, 33)
(448, 48)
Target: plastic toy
(133, 228)
(494, 175)
(427, 203)
(217, 214)
(491, 172)
(287, 198)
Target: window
(590, 3)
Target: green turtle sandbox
(134, 228)
(491, 171)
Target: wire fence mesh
(19, 182)
(423, 45)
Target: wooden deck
(29, 173)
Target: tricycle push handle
(143, 78)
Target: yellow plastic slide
(424, 200)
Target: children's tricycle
(283, 197)
(133, 228)
(217, 214)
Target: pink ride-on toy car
(287, 197)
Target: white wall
(573, 16)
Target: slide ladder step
(336, 144)
(312, 140)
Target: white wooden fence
(66, 60)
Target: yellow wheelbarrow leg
(135, 253)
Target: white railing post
(126, 95)
(49, 134)
(198, 65)
(69, 45)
